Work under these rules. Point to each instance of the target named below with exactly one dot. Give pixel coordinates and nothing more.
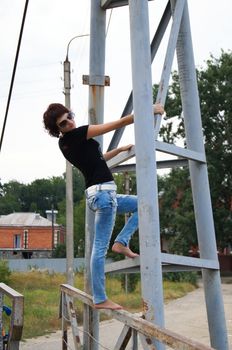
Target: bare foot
(108, 304)
(121, 249)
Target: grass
(41, 294)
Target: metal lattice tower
(152, 261)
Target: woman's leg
(104, 222)
(105, 205)
(126, 204)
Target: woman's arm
(100, 129)
(109, 155)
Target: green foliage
(177, 221)
(59, 251)
(129, 281)
(215, 83)
(79, 229)
(4, 271)
(39, 195)
(42, 194)
(190, 277)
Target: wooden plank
(63, 314)
(16, 318)
(10, 292)
(146, 342)
(74, 325)
(148, 329)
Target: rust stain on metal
(148, 340)
(78, 340)
(92, 111)
(145, 306)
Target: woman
(81, 150)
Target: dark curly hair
(53, 112)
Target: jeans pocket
(102, 199)
(90, 201)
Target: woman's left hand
(126, 148)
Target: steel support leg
(200, 185)
(150, 257)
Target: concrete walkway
(186, 316)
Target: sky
(28, 152)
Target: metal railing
(11, 342)
(134, 325)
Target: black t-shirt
(85, 155)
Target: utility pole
(69, 177)
(69, 187)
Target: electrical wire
(109, 22)
(84, 332)
(14, 71)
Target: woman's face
(66, 122)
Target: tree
(79, 229)
(177, 219)
(215, 84)
(59, 251)
(11, 197)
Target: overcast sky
(28, 153)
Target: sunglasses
(64, 122)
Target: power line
(14, 71)
(109, 22)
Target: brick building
(29, 235)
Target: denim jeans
(106, 204)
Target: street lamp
(69, 180)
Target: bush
(190, 277)
(59, 251)
(132, 281)
(4, 271)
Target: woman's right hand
(158, 109)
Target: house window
(56, 238)
(17, 241)
(25, 239)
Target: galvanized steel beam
(150, 264)
(200, 185)
(168, 259)
(154, 48)
(96, 113)
(162, 164)
(108, 4)
(166, 72)
(123, 338)
(162, 147)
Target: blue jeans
(106, 204)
